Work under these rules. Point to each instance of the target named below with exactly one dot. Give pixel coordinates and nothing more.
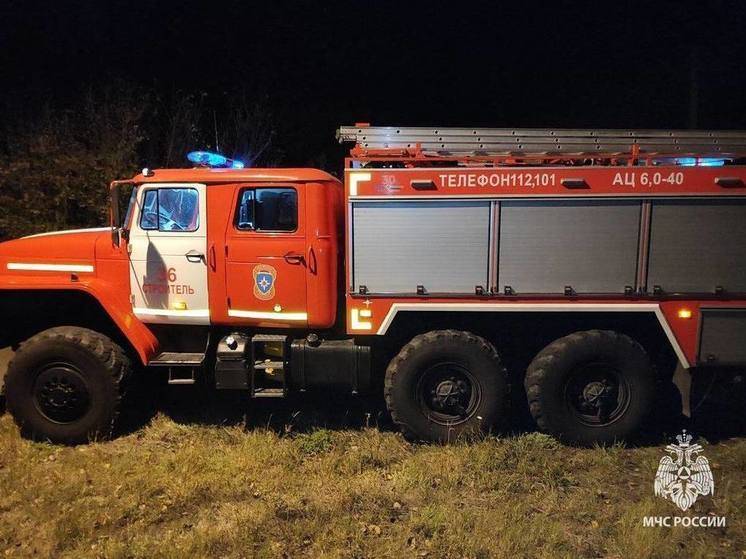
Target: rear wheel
(65, 385)
(591, 387)
(446, 384)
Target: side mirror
(119, 234)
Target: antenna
(215, 123)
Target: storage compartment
(590, 246)
(696, 246)
(723, 337)
(231, 362)
(439, 245)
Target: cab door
(265, 259)
(167, 249)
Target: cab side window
(267, 209)
(170, 209)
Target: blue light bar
(209, 159)
(710, 162)
(700, 162)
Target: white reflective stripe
(539, 307)
(356, 323)
(68, 231)
(355, 178)
(268, 315)
(49, 267)
(196, 313)
(672, 338)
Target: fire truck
(588, 268)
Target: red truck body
(483, 235)
(88, 261)
(678, 312)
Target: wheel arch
(520, 334)
(31, 311)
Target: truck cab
(200, 256)
(248, 248)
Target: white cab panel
(168, 254)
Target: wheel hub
(61, 394)
(596, 394)
(447, 393)
(450, 393)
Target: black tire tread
(537, 370)
(416, 344)
(111, 356)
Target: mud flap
(682, 379)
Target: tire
(445, 385)
(65, 385)
(593, 387)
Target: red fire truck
(453, 265)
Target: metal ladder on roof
(476, 142)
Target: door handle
(294, 258)
(194, 256)
(213, 257)
(312, 261)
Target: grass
(176, 488)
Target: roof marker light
(209, 159)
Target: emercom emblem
(685, 474)
(264, 281)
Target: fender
(137, 334)
(80, 261)
(680, 336)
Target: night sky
(326, 63)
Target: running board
(174, 359)
(180, 380)
(269, 393)
(182, 367)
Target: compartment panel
(441, 245)
(588, 245)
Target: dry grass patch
(171, 490)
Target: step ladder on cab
(257, 363)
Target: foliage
(57, 160)
(316, 442)
(55, 170)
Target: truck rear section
(588, 268)
(597, 255)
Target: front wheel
(65, 385)
(591, 387)
(446, 384)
